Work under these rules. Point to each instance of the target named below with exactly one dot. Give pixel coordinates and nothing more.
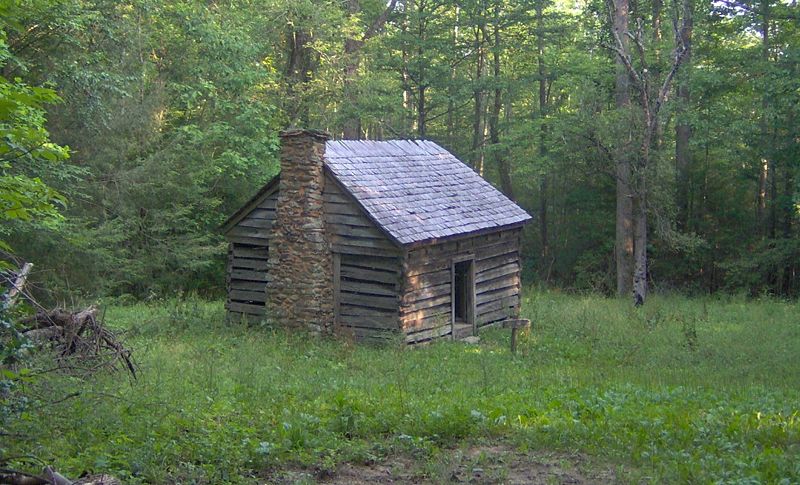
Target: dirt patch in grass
(484, 464)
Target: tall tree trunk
(543, 107)
(503, 168)
(351, 128)
(640, 245)
(299, 69)
(451, 105)
(479, 96)
(421, 86)
(624, 211)
(766, 161)
(683, 131)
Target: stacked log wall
(366, 269)
(426, 302)
(248, 253)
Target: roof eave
(479, 232)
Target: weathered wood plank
(426, 312)
(504, 247)
(240, 251)
(495, 294)
(250, 232)
(243, 274)
(373, 243)
(421, 293)
(270, 202)
(427, 280)
(264, 224)
(342, 208)
(362, 311)
(372, 262)
(363, 251)
(246, 263)
(357, 231)
(379, 336)
(497, 261)
(416, 269)
(427, 303)
(246, 308)
(337, 287)
(371, 301)
(497, 272)
(250, 241)
(336, 197)
(491, 317)
(382, 322)
(354, 272)
(246, 296)
(248, 285)
(266, 214)
(451, 248)
(427, 322)
(348, 220)
(368, 288)
(428, 334)
(511, 280)
(509, 301)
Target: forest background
(657, 129)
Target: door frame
(470, 292)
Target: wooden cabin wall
(248, 252)
(366, 270)
(425, 305)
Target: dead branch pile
(81, 335)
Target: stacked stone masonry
(300, 264)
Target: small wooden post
(515, 326)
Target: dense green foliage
(693, 391)
(171, 111)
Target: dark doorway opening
(463, 298)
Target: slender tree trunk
(421, 81)
(543, 155)
(503, 168)
(766, 162)
(683, 131)
(640, 245)
(451, 115)
(299, 73)
(351, 128)
(624, 212)
(479, 96)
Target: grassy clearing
(680, 391)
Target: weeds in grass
(221, 403)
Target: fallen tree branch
(10, 298)
(79, 334)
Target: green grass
(681, 390)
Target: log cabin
(380, 240)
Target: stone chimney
(300, 267)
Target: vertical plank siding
(248, 252)
(425, 311)
(368, 284)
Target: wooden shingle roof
(417, 191)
